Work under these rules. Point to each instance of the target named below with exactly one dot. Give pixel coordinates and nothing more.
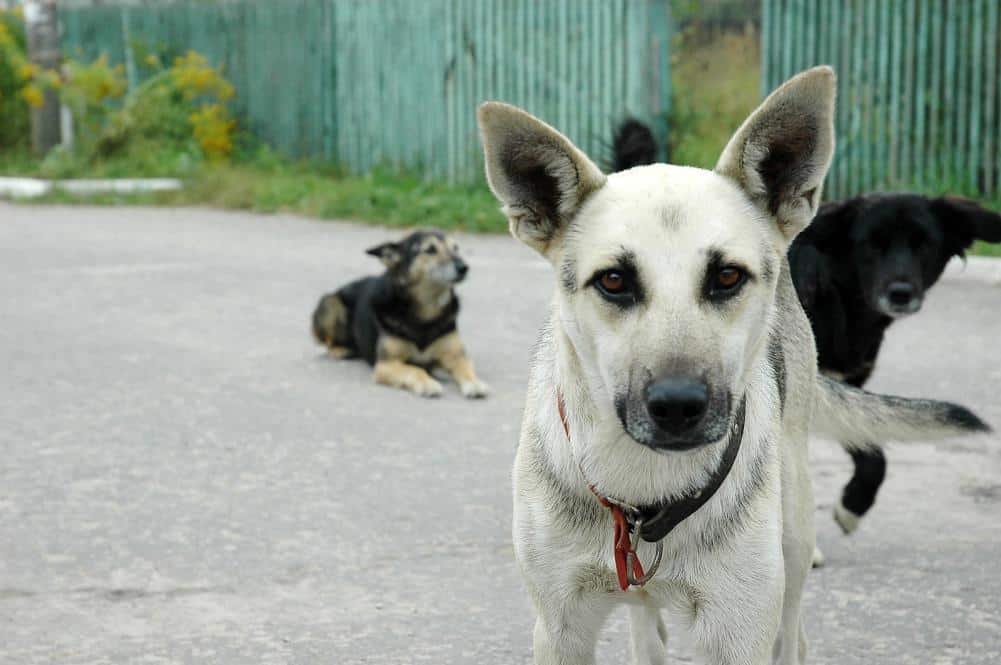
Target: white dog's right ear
(537, 173)
(780, 155)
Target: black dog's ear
(390, 253)
(812, 273)
(830, 231)
(964, 221)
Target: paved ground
(185, 478)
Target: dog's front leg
(566, 631)
(738, 608)
(399, 374)
(450, 354)
(648, 635)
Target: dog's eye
(728, 279)
(617, 286)
(431, 249)
(613, 282)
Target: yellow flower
(195, 77)
(33, 96)
(26, 70)
(213, 129)
(152, 60)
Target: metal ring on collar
(631, 556)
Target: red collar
(625, 547)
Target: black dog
(860, 265)
(403, 322)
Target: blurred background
(337, 108)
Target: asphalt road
(184, 477)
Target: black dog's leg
(860, 493)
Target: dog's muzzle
(677, 406)
(900, 298)
(675, 413)
(461, 269)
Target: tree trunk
(42, 28)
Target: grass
(981, 248)
(382, 197)
(315, 190)
(18, 162)
(716, 84)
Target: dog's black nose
(461, 267)
(677, 405)
(900, 293)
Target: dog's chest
(397, 319)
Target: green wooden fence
(918, 87)
(397, 82)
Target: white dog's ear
(780, 155)
(539, 176)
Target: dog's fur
(859, 266)
(736, 567)
(403, 322)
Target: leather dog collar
(653, 522)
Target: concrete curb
(29, 188)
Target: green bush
(171, 124)
(14, 127)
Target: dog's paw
(818, 558)
(474, 389)
(846, 519)
(428, 388)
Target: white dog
(674, 386)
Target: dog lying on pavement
(403, 322)
(862, 264)
(674, 386)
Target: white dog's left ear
(780, 155)
(539, 176)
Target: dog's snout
(461, 267)
(900, 293)
(677, 405)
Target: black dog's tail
(633, 144)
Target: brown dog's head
(426, 257)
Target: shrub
(168, 125)
(175, 119)
(13, 67)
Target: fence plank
(397, 82)
(992, 100)
(918, 88)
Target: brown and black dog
(403, 322)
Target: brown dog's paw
(428, 388)
(474, 389)
(339, 352)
